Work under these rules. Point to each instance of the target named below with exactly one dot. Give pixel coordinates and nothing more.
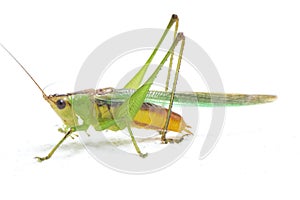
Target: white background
(255, 46)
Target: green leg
(171, 58)
(135, 143)
(135, 82)
(40, 159)
(127, 111)
(132, 105)
(163, 133)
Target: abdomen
(151, 116)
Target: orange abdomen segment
(151, 116)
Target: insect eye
(61, 104)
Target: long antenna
(44, 94)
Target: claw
(143, 155)
(41, 159)
(175, 140)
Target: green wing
(202, 99)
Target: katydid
(133, 105)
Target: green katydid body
(116, 109)
(82, 109)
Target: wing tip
(266, 98)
